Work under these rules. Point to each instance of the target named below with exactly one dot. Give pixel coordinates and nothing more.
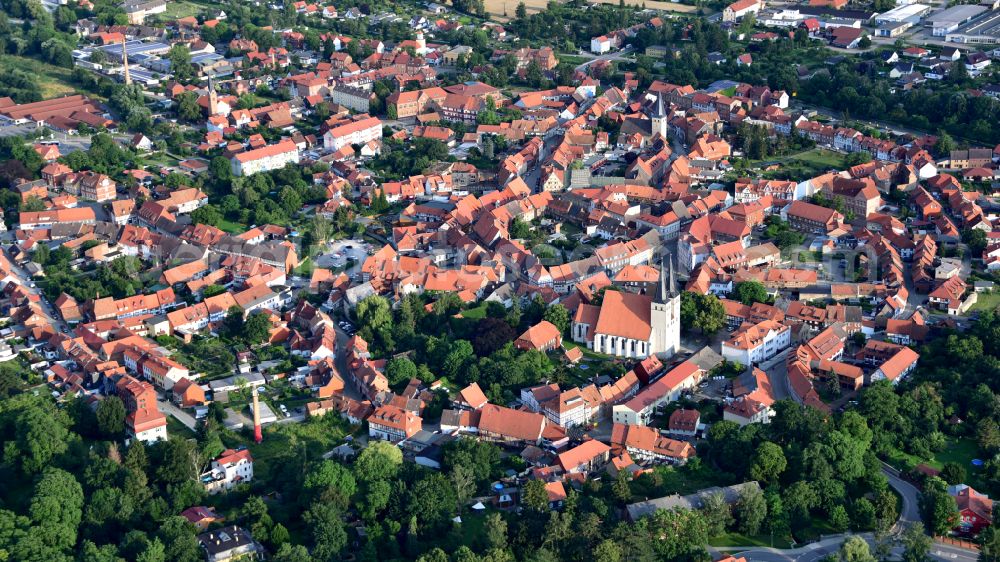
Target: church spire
(668, 288)
(673, 282)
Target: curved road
(813, 552)
(613, 55)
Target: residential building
(644, 443)
(265, 159)
(757, 343)
(543, 336)
(812, 218)
(229, 544)
(391, 423)
(357, 132)
(975, 509)
(143, 420)
(639, 409)
(231, 468)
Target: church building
(631, 325)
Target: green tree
(256, 328)
(937, 507)
(750, 292)
(839, 519)
(558, 316)
(189, 110)
(111, 416)
(953, 473)
(57, 508)
(221, 169)
(534, 495)
(945, 143)
(519, 229)
(399, 370)
(329, 476)
(768, 463)
(432, 500)
(380, 460)
(608, 551)
(989, 550)
(916, 543)
(38, 438)
(180, 62)
(750, 510)
(702, 312)
(207, 214)
(463, 481)
(33, 205)
(327, 531)
(855, 549)
(718, 514)
(496, 531)
(154, 552)
(179, 542)
(678, 533)
(292, 553)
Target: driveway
(185, 418)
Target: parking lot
(67, 143)
(340, 251)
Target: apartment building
(265, 159)
(358, 132)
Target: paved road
(614, 55)
(777, 371)
(911, 508)
(817, 550)
(24, 279)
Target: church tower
(213, 98)
(665, 313)
(659, 118)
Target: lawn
(987, 301)
(176, 428)
(817, 526)
(231, 227)
(574, 60)
(736, 539)
(54, 81)
(310, 438)
(960, 451)
(588, 353)
(181, 9)
(810, 257)
(305, 268)
(476, 313)
(819, 158)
